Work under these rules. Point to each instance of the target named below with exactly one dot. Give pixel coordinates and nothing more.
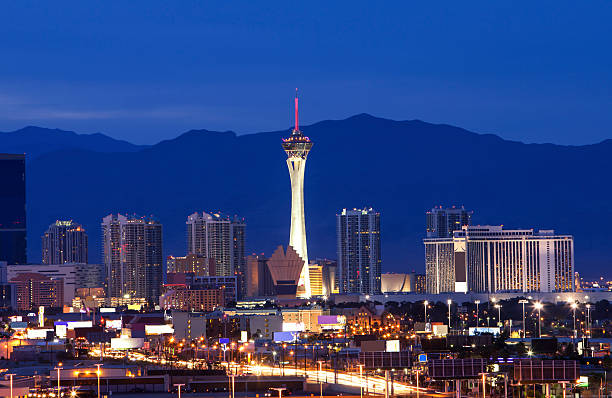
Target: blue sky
(149, 70)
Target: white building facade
(493, 260)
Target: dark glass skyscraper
(12, 208)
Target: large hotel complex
(490, 259)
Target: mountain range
(400, 168)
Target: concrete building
(397, 283)
(184, 299)
(491, 259)
(286, 269)
(359, 261)
(73, 275)
(316, 279)
(189, 325)
(297, 146)
(265, 325)
(229, 285)
(259, 281)
(191, 263)
(306, 319)
(34, 290)
(64, 242)
(133, 256)
(13, 209)
(442, 222)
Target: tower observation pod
(297, 146)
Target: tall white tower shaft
(297, 235)
(297, 147)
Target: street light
(538, 306)
(58, 368)
(449, 301)
(280, 391)
(477, 302)
(425, 304)
(523, 302)
(320, 374)
(179, 389)
(360, 380)
(11, 376)
(574, 306)
(98, 373)
(499, 321)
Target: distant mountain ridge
(400, 168)
(38, 140)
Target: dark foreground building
(12, 208)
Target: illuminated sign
(484, 330)
(293, 327)
(126, 343)
(393, 346)
(115, 324)
(79, 324)
(280, 337)
(38, 333)
(158, 329)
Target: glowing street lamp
(538, 306)
(449, 301)
(523, 301)
(58, 368)
(574, 306)
(477, 302)
(98, 373)
(11, 377)
(179, 389)
(425, 304)
(499, 321)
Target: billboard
(393, 346)
(79, 324)
(38, 333)
(19, 325)
(484, 330)
(281, 337)
(293, 327)
(158, 329)
(61, 329)
(384, 360)
(108, 309)
(334, 322)
(440, 369)
(545, 370)
(126, 343)
(115, 324)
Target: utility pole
(11, 377)
(523, 302)
(179, 389)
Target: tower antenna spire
(297, 119)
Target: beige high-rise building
(133, 256)
(316, 279)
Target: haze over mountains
(401, 168)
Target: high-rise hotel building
(133, 257)
(220, 238)
(489, 259)
(64, 242)
(359, 261)
(442, 222)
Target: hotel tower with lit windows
(297, 146)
